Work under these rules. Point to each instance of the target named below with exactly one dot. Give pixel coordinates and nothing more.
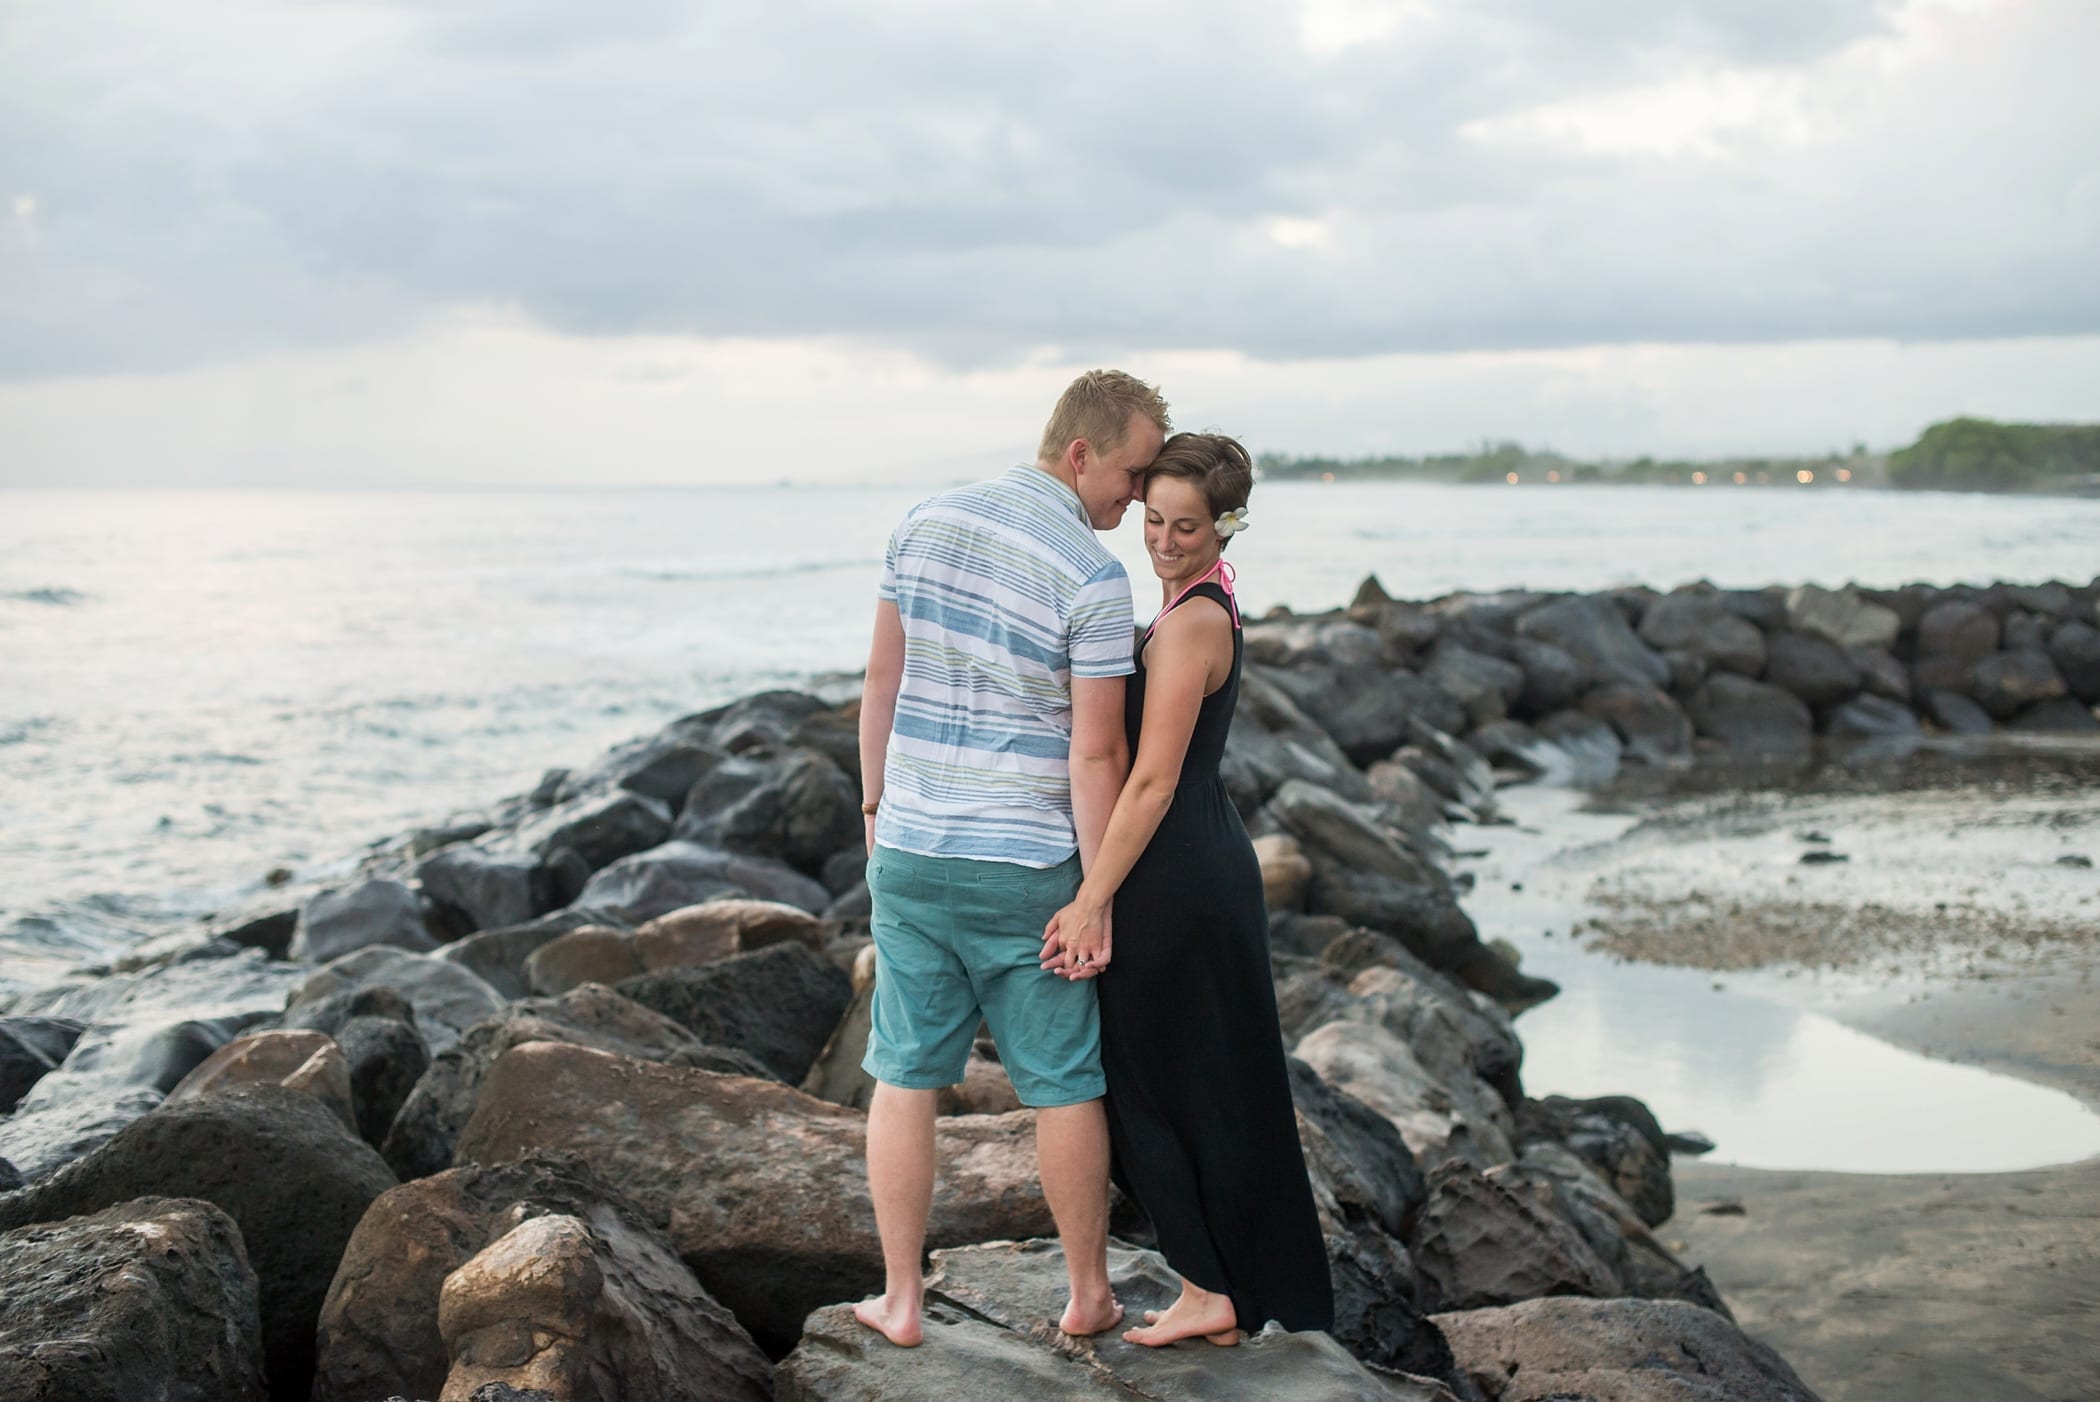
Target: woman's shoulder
(1201, 614)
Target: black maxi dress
(1199, 1100)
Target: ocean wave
(57, 597)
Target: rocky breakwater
(561, 1099)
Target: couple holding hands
(1052, 851)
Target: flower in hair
(1231, 523)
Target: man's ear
(1078, 453)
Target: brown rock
(308, 1062)
(535, 1274)
(1625, 1350)
(1478, 1243)
(593, 954)
(708, 1155)
(1284, 869)
(717, 929)
(983, 1090)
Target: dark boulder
(276, 1161)
(1699, 623)
(447, 998)
(1619, 1137)
(479, 889)
(1373, 1177)
(1952, 711)
(1654, 730)
(1754, 720)
(2075, 649)
(2006, 683)
(678, 874)
(799, 807)
(2061, 716)
(1957, 631)
(375, 912)
(152, 1298)
(376, 1029)
(1483, 684)
(600, 830)
(31, 1048)
(779, 1003)
(1596, 634)
(1554, 679)
(1880, 674)
(1272, 740)
(1479, 1244)
(1814, 669)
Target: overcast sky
(485, 241)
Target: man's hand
(1078, 941)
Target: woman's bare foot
(896, 1321)
(1084, 1319)
(1197, 1314)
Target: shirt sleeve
(886, 587)
(1098, 632)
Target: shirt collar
(1051, 486)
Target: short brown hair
(1218, 465)
(1097, 407)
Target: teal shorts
(957, 940)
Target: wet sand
(1953, 930)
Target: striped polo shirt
(1006, 596)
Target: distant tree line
(1979, 455)
(1965, 454)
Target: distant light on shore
(1511, 478)
(1741, 478)
(1698, 479)
(1327, 477)
(1844, 474)
(1804, 477)
(1554, 475)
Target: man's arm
(1100, 764)
(878, 705)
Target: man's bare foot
(1094, 1317)
(897, 1322)
(1199, 1315)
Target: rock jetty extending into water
(563, 1099)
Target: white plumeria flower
(1231, 523)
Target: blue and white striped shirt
(1006, 596)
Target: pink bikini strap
(1224, 577)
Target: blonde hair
(1097, 407)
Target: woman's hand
(1077, 941)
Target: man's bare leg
(1071, 1148)
(900, 1180)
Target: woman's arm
(1180, 662)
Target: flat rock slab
(1624, 1350)
(990, 1332)
(153, 1298)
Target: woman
(1199, 1100)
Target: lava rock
(2075, 649)
(1951, 711)
(1554, 678)
(498, 956)
(151, 1298)
(1479, 1244)
(1700, 623)
(1842, 617)
(1655, 731)
(779, 1004)
(438, 1280)
(30, 1049)
(283, 1167)
(1871, 717)
(1814, 669)
(422, 1136)
(2006, 683)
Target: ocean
(197, 688)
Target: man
(992, 751)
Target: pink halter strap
(1224, 574)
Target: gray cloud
(979, 181)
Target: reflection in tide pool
(1774, 1086)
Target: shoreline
(1901, 1287)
